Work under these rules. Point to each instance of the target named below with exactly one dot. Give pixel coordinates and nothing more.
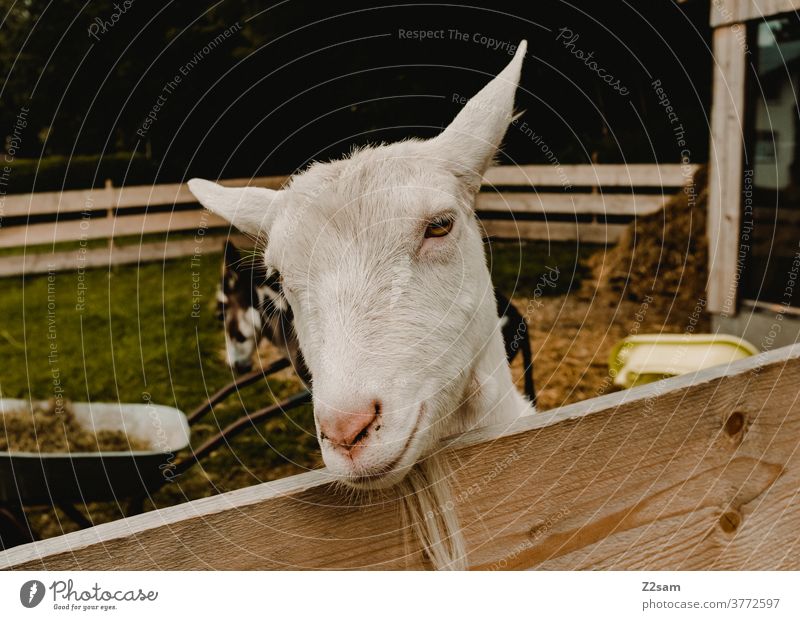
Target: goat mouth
(387, 470)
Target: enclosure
(111, 283)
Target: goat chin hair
(429, 511)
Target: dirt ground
(572, 336)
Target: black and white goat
(251, 305)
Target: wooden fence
(589, 203)
(697, 472)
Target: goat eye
(439, 227)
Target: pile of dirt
(662, 255)
(54, 428)
(652, 281)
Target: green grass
(518, 268)
(137, 330)
(134, 333)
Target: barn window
(771, 190)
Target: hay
(652, 281)
(55, 429)
(663, 255)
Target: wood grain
(133, 254)
(696, 472)
(591, 175)
(579, 204)
(104, 198)
(109, 227)
(725, 170)
(726, 12)
(586, 232)
(108, 197)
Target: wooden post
(726, 12)
(725, 168)
(110, 213)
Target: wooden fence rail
(697, 472)
(518, 202)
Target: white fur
(249, 323)
(345, 236)
(248, 206)
(277, 299)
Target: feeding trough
(637, 360)
(65, 479)
(31, 478)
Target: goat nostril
(358, 438)
(349, 430)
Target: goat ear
(250, 209)
(470, 142)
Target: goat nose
(242, 367)
(346, 428)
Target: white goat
(383, 265)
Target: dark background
(304, 81)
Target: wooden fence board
(66, 260)
(587, 175)
(586, 232)
(69, 260)
(103, 228)
(103, 198)
(72, 201)
(696, 472)
(583, 204)
(107, 206)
